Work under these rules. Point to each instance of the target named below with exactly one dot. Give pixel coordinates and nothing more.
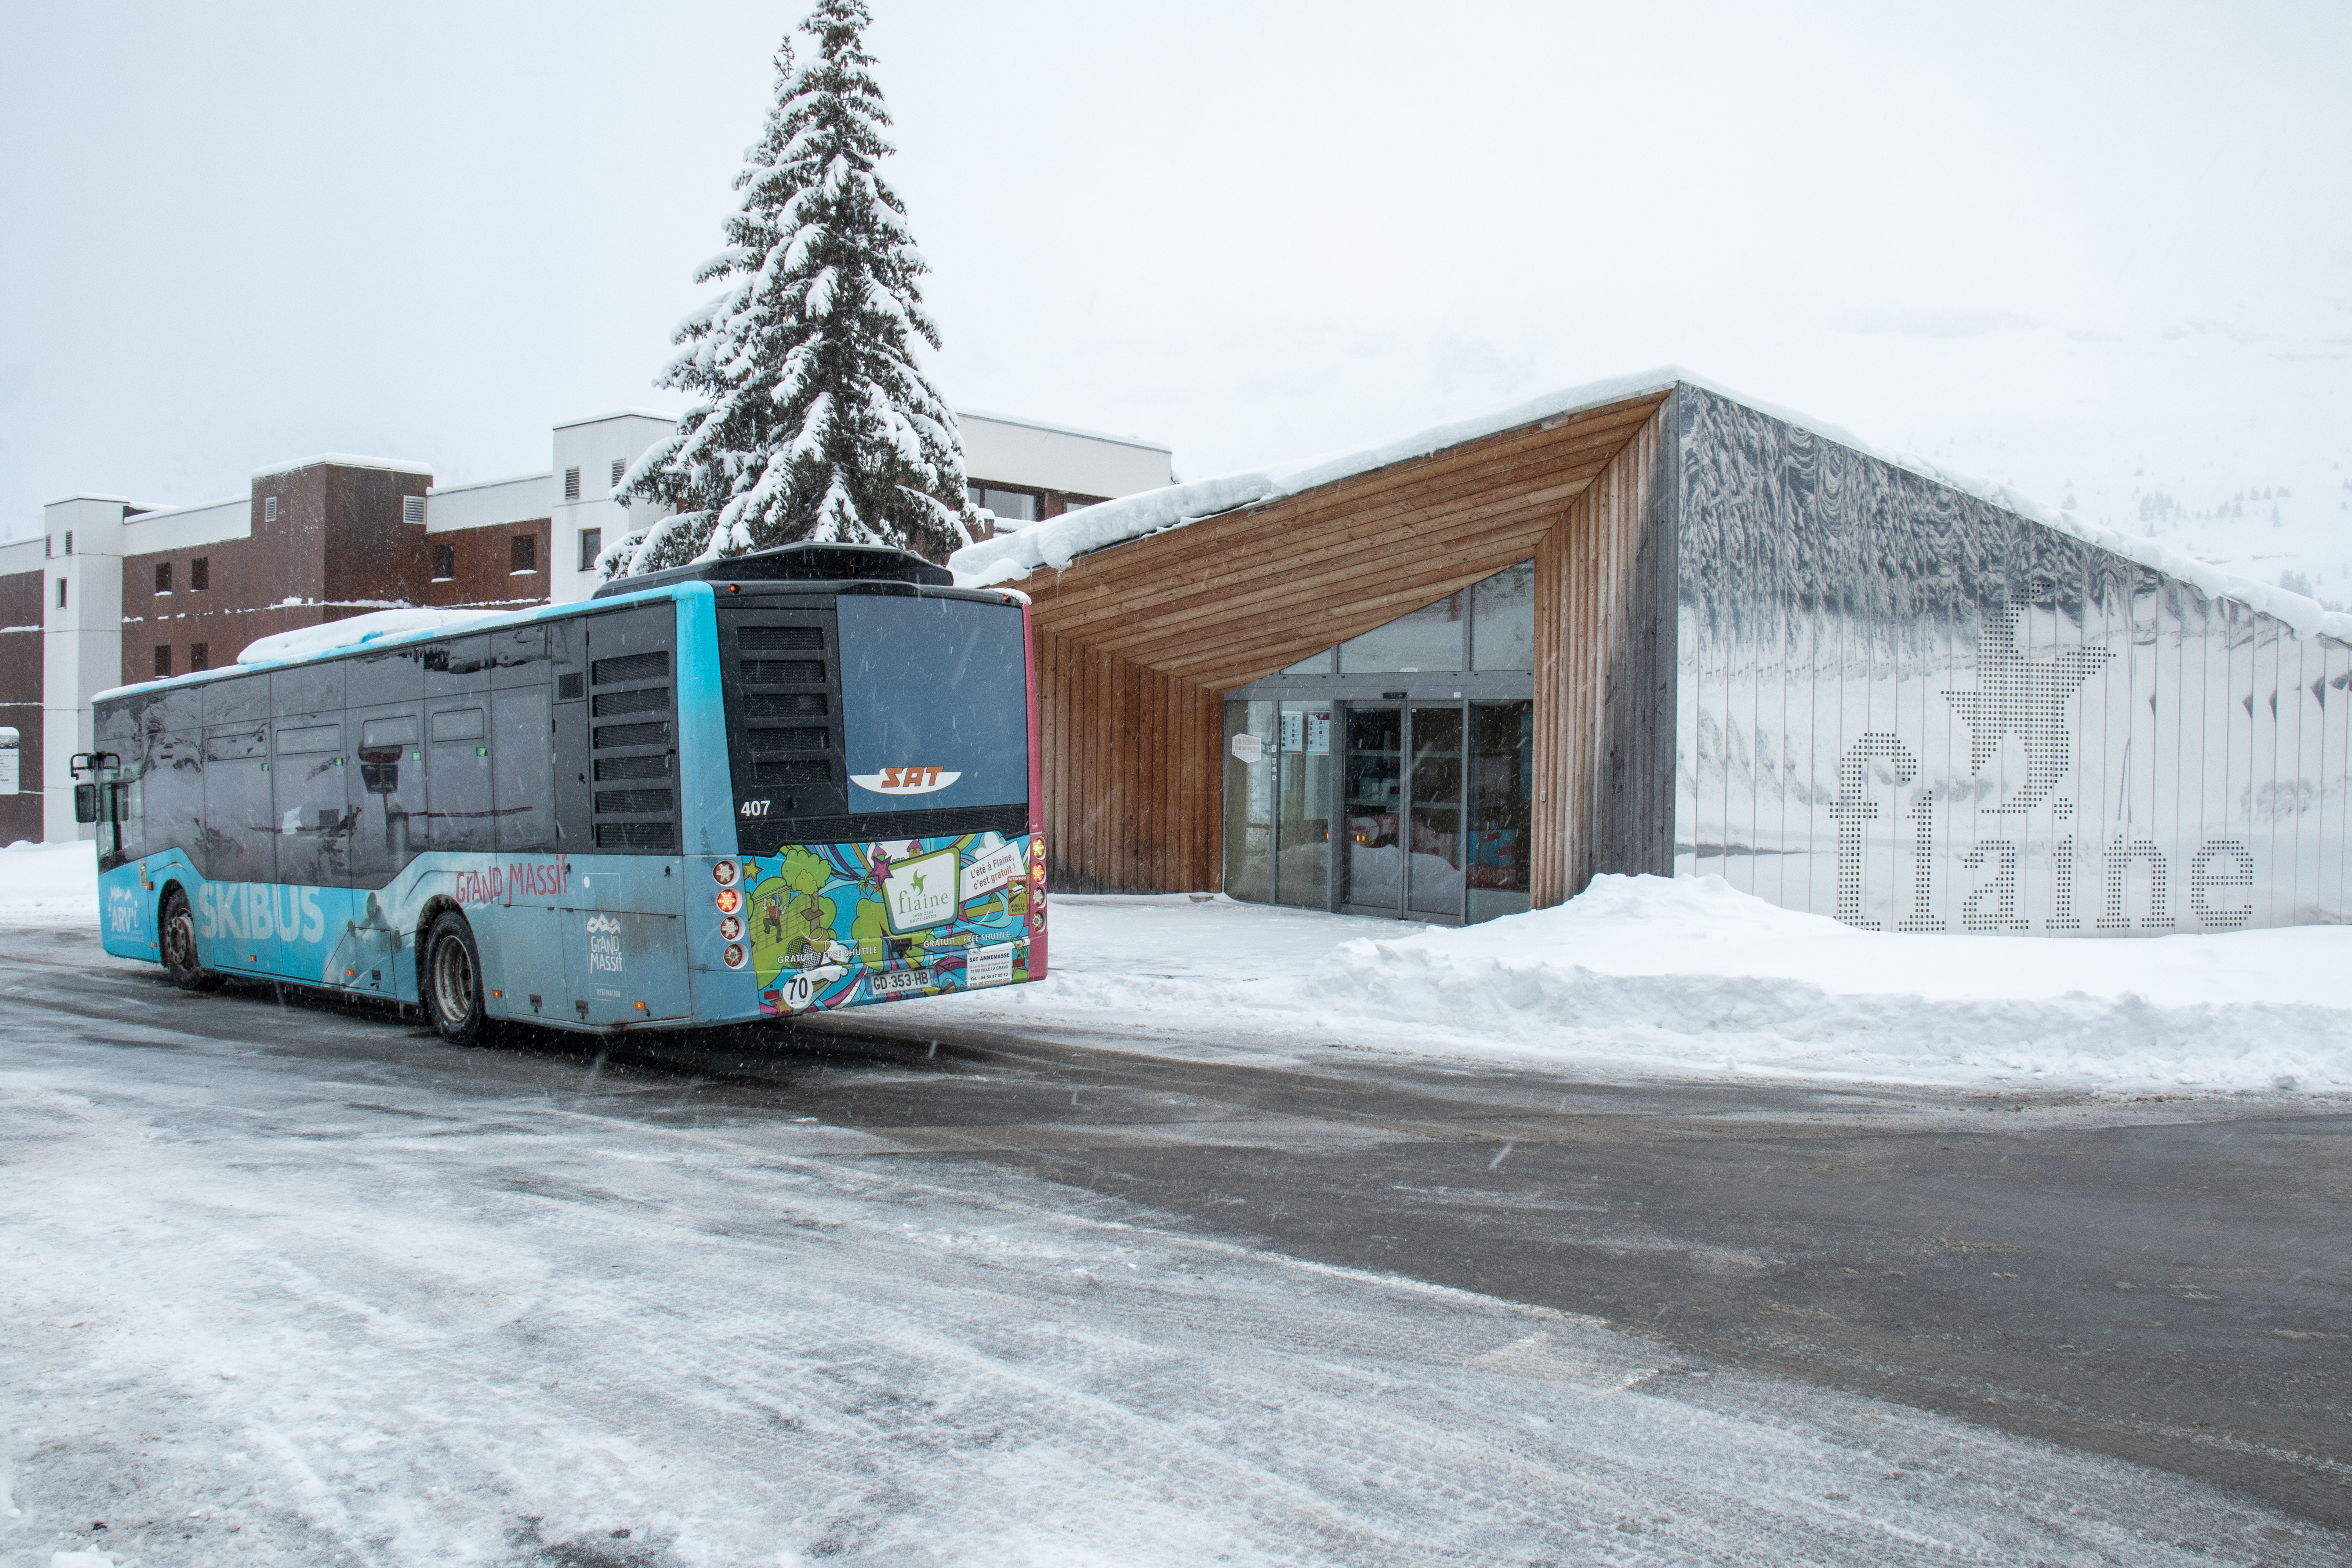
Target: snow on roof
(306, 642)
(1062, 430)
(159, 513)
(1056, 543)
(357, 631)
(345, 460)
(486, 484)
(621, 413)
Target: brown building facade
(320, 541)
(114, 593)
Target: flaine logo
(921, 892)
(908, 781)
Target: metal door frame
(1402, 910)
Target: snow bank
(1655, 974)
(1056, 543)
(48, 884)
(1695, 971)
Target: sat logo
(907, 781)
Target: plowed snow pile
(1681, 975)
(48, 884)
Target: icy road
(286, 1284)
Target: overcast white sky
(2047, 244)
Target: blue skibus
(802, 778)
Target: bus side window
(123, 729)
(385, 794)
(459, 666)
(172, 793)
(522, 769)
(238, 840)
(458, 774)
(306, 778)
(173, 789)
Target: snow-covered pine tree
(809, 418)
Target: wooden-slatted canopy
(1137, 643)
(1229, 599)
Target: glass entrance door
(1373, 806)
(1403, 807)
(1432, 861)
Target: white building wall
(81, 649)
(1056, 458)
(21, 556)
(185, 528)
(487, 504)
(594, 446)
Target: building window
(199, 656)
(162, 576)
(571, 484)
(444, 562)
(69, 541)
(269, 509)
(522, 550)
(620, 467)
(61, 592)
(592, 545)
(1010, 506)
(412, 510)
(200, 572)
(163, 662)
(49, 546)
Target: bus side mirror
(102, 802)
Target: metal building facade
(1908, 707)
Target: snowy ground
(48, 884)
(284, 1287)
(1647, 975)
(400, 1305)
(1652, 975)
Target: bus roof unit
(795, 564)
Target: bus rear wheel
(176, 935)
(453, 980)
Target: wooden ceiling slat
(1083, 602)
(1230, 598)
(1280, 619)
(1243, 538)
(1506, 537)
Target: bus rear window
(850, 719)
(934, 686)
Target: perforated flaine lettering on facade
(2130, 883)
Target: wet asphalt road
(2165, 1280)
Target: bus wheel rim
(179, 941)
(453, 980)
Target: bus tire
(175, 936)
(451, 980)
